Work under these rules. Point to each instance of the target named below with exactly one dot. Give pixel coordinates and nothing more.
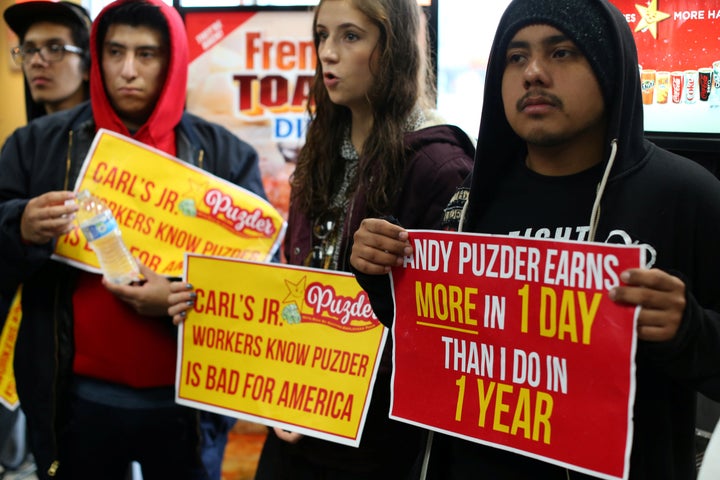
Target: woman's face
(347, 50)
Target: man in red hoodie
(95, 362)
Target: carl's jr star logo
(650, 17)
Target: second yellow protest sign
(285, 346)
(8, 394)
(166, 207)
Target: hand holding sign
(181, 300)
(379, 245)
(149, 297)
(662, 298)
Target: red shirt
(116, 344)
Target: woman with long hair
(374, 147)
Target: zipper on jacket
(53, 468)
(68, 160)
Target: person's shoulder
(222, 150)
(42, 129)
(675, 167)
(199, 123)
(434, 131)
(70, 116)
(665, 172)
(202, 130)
(441, 144)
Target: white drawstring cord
(595, 215)
(426, 457)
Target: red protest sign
(521, 344)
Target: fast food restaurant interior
(460, 35)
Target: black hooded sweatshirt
(653, 198)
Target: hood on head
(616, 68)
(158, 130)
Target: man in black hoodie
(561, 154)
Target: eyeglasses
(51, 53)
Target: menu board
(678, 50)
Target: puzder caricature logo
(214, 205)
(326, 307)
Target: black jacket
(655, 198)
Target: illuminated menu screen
(679, 53)
(678, 44)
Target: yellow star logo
(296, 291)
(650, 17)
(196, 191)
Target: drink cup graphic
(676, 86)
(691, 86)
(715, 94)
(647, 84)
(662, 87)
(704, 83)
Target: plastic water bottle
(101, 230)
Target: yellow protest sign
(285, 346)
(8, 394)
(166, 207)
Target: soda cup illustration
(676, 86)
(662, 87)
(647, 84)
(691, 86)
(704, 83)
(715, 94)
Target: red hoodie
(159, 130)
(112, 341)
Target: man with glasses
(53, 53)
(54, 56)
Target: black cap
(586, 22)
(20, 16)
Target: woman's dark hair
(401, 83)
